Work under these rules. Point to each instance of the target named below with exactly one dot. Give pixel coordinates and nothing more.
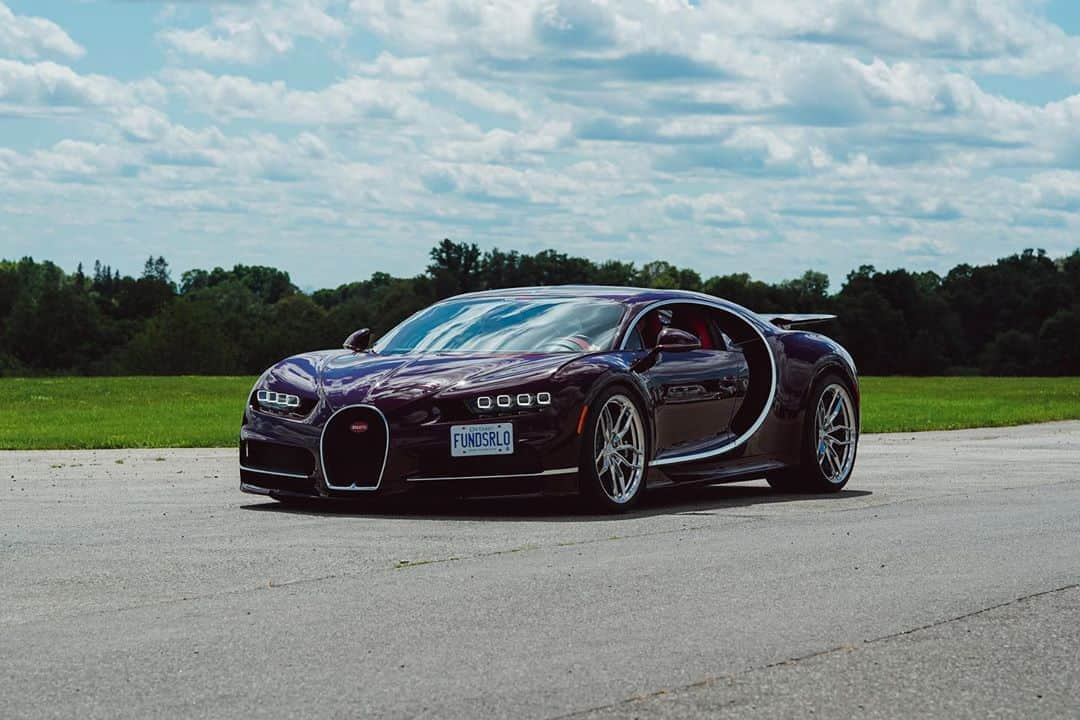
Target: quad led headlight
(277, 401)
(521, 401)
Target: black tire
(594, 489)
(808, 476)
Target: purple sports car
(594, 391)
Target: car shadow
(691, 500)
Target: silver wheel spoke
(837, 406)
(834, 459)
(605, 421)
(836, 433)
(824, 459)
(619, 449)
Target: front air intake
(354, 445)
(275, 458)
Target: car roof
(629, 295)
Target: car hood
(392, 381)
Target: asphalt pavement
(942, 583)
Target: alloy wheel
(836, 433)
(619, 449)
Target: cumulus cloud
(917, 245)
(709, 209)
(772, 135)
(575, 24)
(1006, 35)
(46, 87)
(31, 37)
(232, 96)
(249, 33)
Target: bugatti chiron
(599, 392)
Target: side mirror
(359, 341)
(674, 340)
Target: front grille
(275, 458)
(354, 460)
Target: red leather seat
(691, 322)
(650, 328)
(699, 327)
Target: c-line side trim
(322, 450)
(705, 454)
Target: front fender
(601, 372)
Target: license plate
(486, 439)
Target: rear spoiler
(792, 321)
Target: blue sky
(334, 138)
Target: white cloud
(757, 135)
(574, 24)
(142, 124)
(528, 146)
(1057, 190)
(253, 32)
(917, 245)
(708, 209)
(69, 161)
(1002, 35)
(46, 87)
(31, 37)
(231, 96)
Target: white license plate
(486, 439)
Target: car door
(695, 392)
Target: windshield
(507, 325)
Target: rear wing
(792, 321)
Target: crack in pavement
(710, 680)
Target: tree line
(1018, 316)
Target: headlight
(270, 400)
(287, 405)
(510, 403)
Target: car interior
(694, 319)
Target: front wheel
(831, 437)
(614, 453)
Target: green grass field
(122, 412)
(899, 404)
(43, 413)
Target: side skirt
(735, 472)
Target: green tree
(157, 269)
(1059, 343)
(53, 324)
(189, 337)
(1011, 353)
(456, 265)
(661, 274)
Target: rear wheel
(830, 441)
(614, 452)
